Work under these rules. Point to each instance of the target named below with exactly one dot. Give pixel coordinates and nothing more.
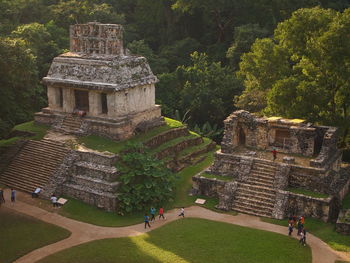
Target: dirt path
(83, 232)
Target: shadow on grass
(191, 240)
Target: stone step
(34, 164)
(94, 183)
(255, 195)
(256, 188)
(267, 203)
(263, 172)
(106, 201)
(107, 173)
(178, 147)
(252, 212)
(254, 181)
(166, 136)
(262, 176)
(245, 204)
(251, 192)
(24, 169)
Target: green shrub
(145, 180)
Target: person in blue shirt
(147, 221)
(153, 212)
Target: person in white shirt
(182, 212)
(54, 201)
(36, 192)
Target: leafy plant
(207, 130)
(145, 180)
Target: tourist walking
(13, 195)
(153, 213)
(182, 212)
(161, 213)
(147, 221)
(302, 240)
(2, 199)
(274, 154)
(290, 229)
(300, 227)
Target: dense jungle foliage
(289, 58)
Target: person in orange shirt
(161, 213)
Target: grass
(346, 202)
(173, 142)
(103, 144)
(80, 211)
(223, 178)
(21, 234)
(307, 192)
(324, 231)
(190, 240)
(39, 129)
(8, 142)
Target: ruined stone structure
(97, 78)
(308, 159)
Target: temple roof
(99, 72)
(97, 60)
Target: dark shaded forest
(275, 57)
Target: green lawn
(39, 130)
(80, 211)
(307, 192)
(190, 240)
(324, 231)
(103, 144)
(20, 234)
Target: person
(290, 229)
(147, 221)
(13, 195)
(274, 154)
(161, 213)
(302, 219)
(2, 199)
(36, 192)
(54, 201)
(182, 212)
(153, 212)
(300, 227)
(302, 240)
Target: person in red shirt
(161, 213)
(274, 154)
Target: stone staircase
(33, 165)
(71, 124)
(93, 180)
(257, 194)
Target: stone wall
(299, 204)
(207, 186)
(343, 223)
(237, 167)
(92, 178)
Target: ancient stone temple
(249, 180)
(98, 88)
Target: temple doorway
(81, 100)
(241, 136)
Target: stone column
(68, 100)
(111, 104)
(95, 107)
(53, 96)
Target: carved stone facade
(308, 159)
(97, 79)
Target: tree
(18, 82)
(41, 44)
(205, 89)
(305, 70)
(145, 180)
(243, 37)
